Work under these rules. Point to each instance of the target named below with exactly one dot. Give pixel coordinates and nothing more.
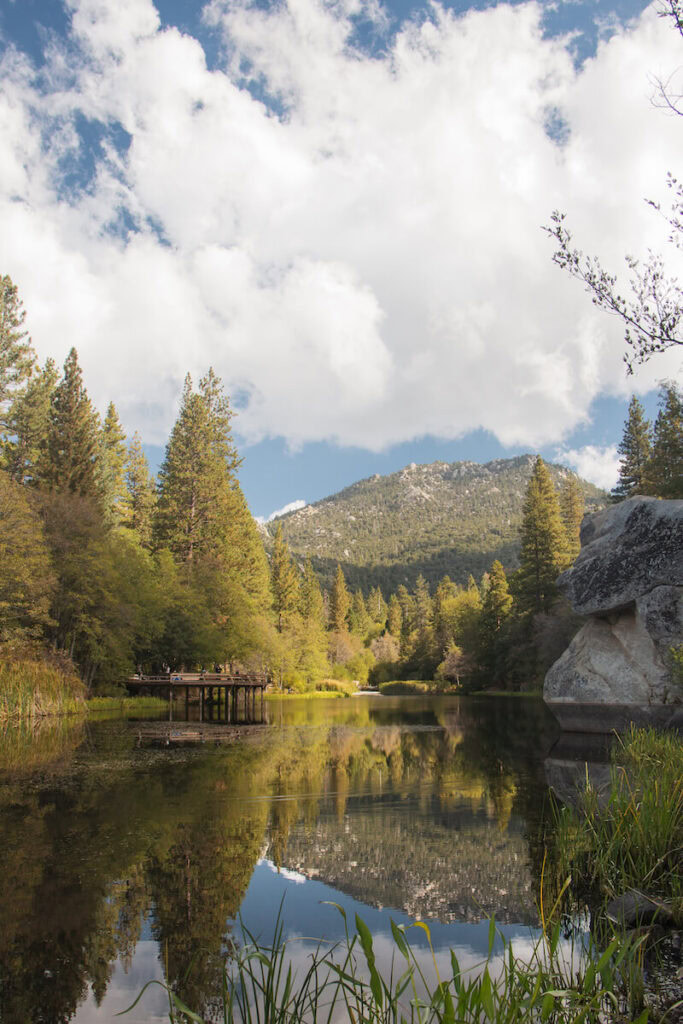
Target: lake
(126, 859)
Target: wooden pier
(220, 695)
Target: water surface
(125, 859)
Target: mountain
(440, 519)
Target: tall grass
(344, 983)
(635, 838)
(30, 687)
(399, 687)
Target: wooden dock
(221, 696)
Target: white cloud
(599, 465)
(293, 506)
(368, 265)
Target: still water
(125, 860)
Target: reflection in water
(430, 808)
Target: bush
(401, 687)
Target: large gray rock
(626, 551)
(629, 579)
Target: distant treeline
(106, 569)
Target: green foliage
(111, 465)
(31, 686)
(664, 468)
(340, 603)
(26, 450)
(635, 449)
(386, 531)
(73, 435)
(543, 540)
(284, 580)
(633, 838)
(572, 507)
(400, 687)
(26, 578)
(139, 500)
(16, 354)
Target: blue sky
(339, 207)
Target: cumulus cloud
(599, 465)
(293, 506)
(352, 240)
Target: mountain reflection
(428, 811)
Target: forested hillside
(441, 519)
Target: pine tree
(312, 640)
(195, 499)
(423, 626)
(572, 507)
(543, 548)
(17, 358)
(495, 610)
(339, 603)
(635, 448)
(664, 469)
(26, 453)
(73, 435)
(359, 620)
(394, 617)
(137, 507)
(377, 606)
(284, 580)
(111, 465)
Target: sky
(339, 205)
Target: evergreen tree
(26, 577)
(496, 608)
(634, 448)
(359, 620)
(16, 353)
(339, 603)
(26, 452)
(377, 606)
(312, 639)
(394, 617)
(111, 465)
(139, 501)
(284, 580)
(572, 506)
(543, 544)
(73, 435)
(195, 503)
(664, 469)
(422, 654)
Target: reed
(399, 687)
(634, 838)
(126, 705)
(31, 687)
(344, 983)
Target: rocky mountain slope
(443, 518)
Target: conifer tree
(572, 506)
(635, 448)
(137, 508)
(194, 509)
(26, 453)
(543, 549)
(394, 617)
(16, 353)
(111, 465)
(339, 603)
(312, 642)
(73, 435)
(284, 580)
(311, 603)
(423, 625)
(496, 608)
(377, 606)
(359, 620)
(664, 469)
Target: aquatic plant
(633, 836)
(343, 982)
(30, 687)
